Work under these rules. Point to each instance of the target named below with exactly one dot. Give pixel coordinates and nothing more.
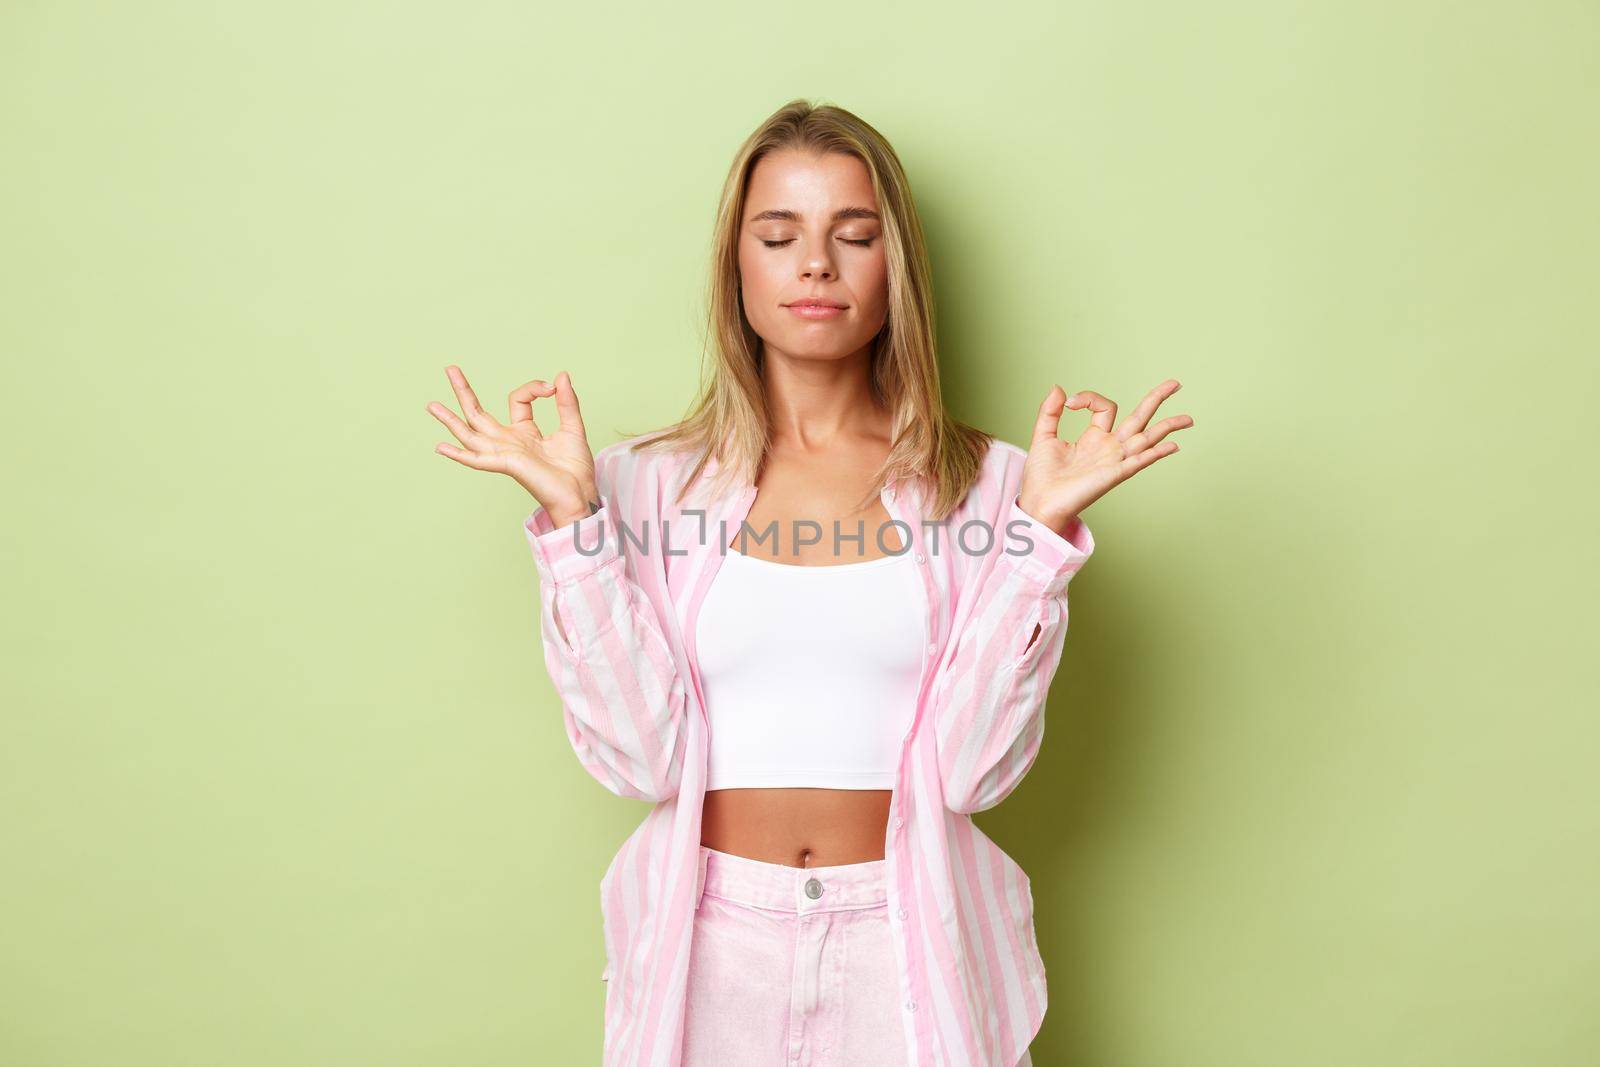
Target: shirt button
(898, 822)
(921, 558)
(911, 1005)
(903, 914)
(813, 888)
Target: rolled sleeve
(565, 553)
(1052, 559)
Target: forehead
(809, 183)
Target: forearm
(989, 699)
(607, 652)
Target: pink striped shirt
(627, 583)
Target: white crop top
(810, 672)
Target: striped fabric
(619, 591)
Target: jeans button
(813, 888)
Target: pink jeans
(792, 967)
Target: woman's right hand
(557, 468)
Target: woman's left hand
(1061, 478)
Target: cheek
(874, 287)
(756, 281)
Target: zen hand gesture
(558, 469)
(1061, 478)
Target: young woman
(814, 623)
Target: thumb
(571, 418)
(1046, 426)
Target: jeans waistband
(780, 887)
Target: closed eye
(862, 243)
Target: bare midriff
(807, 827)
(797, 827)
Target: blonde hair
(728, 419)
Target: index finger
(1105, 412)
(522, 402)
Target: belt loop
(700, 879)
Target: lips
(815, 311)
(813, 301)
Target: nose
(816, 265)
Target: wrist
(578, 500)
(1057, 521)
(570, 512)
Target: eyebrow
(782, 214)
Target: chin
(821, 344)
(814, 349)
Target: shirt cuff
(565, 553)
(1052, 559)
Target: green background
(282, 778)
